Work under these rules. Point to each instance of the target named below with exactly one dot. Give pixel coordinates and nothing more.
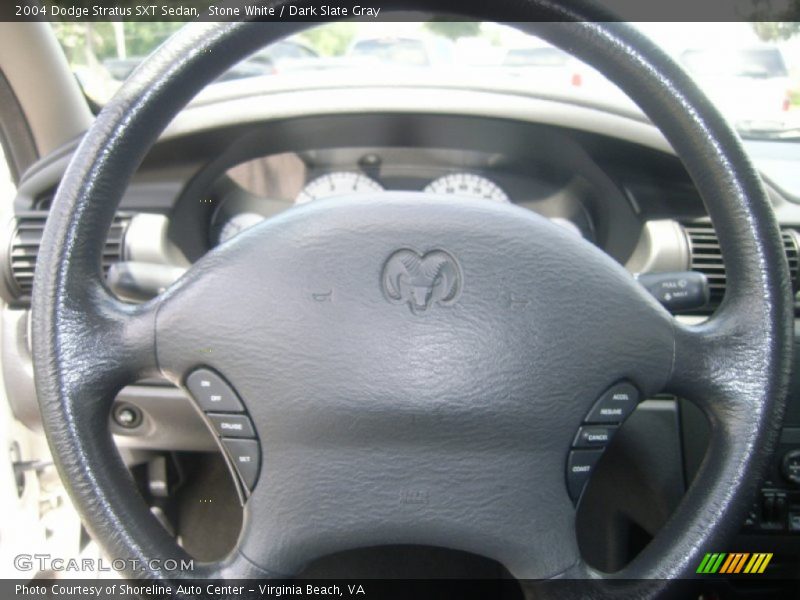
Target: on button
(212, 392)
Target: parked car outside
(750, 85)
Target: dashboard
(607, 179)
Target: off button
(615, 405)
(212, 392)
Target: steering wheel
(397, 395)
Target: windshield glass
(752, 62)
(750, 71)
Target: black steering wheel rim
(87, 345)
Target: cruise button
(579, 467)
(246, 457)
(212, 392)
(593, 436)
(238, 426)
(615, 405)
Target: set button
(246, 456)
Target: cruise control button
(579, 466)
(593, 436)
(238, 426)
(615, 405)
(212, 392)
(246, 456)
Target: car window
(750, 71)
(754, 62)
(536, 57)
(289, 50)
(395, 51)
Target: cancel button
(593, 436)
(238, 426)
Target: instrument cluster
(264, 187)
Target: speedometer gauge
(236, 225)
(468, 185)
(339, 183)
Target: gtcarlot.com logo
(734, 563)
(47, 562)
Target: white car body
(749, 85)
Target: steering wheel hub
(443, 416)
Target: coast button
(579, 467)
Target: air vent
(26, 236)
(706, 257)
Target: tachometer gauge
(468, 185)
(340, 183)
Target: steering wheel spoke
(716, 368)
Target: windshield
(754, 62)
(750, 71)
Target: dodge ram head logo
(422, 280)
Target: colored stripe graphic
(711, 563)
(740, 565)
(703, 564)
(767, 558)
(735, 562)
(732, 558)
(758, 563)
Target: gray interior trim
(170, 421)
(662, 247)
(288, 103)
(51, 123)
(146, 241)
(15, 135)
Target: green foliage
(88, 43)
(144, 37)
(776, 30)
(332, 39)
(453, 29)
